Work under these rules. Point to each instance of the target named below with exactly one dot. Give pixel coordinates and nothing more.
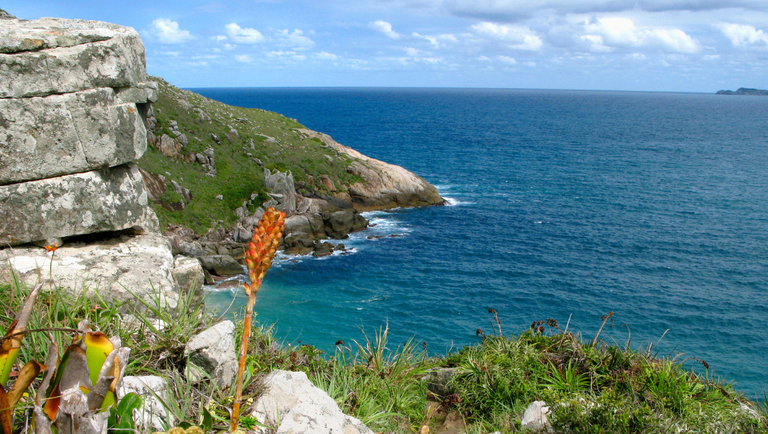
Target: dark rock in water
(339, 224)
(374, 237)
(298, 250)
(221, 265)
(323, 249)
(340, 246)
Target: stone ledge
(52, 56)
(79, 204)
(70, 133)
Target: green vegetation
(591, 387)
(269, 137)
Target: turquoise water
(564, 204)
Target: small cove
(564, 204)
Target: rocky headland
(743, 91)
(143, 185)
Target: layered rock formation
(73, 100)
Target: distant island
(743, 91)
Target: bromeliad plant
(258, 258)
(76, 390)
(9, 351)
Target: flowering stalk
(258, 258)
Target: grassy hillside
(262, 135)
(590, 386)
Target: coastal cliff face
(212, 169)
(92, 151)
(73, 99)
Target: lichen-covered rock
(535, 417)
(43, 137)
(52, 56)
(141, 263)
(282, 187)
(189, 277)
(211, 354)
(84, 203)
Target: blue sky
(650, 45)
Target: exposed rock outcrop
(77, 204)
(211, 354)
(282, 189)
(74, 96)
(301, 407)
(141, 263)
(385, 185)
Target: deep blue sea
(563, 204)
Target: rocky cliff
(73, 100)
(211, 169)
(92, 151)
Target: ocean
(562, 204)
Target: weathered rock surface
(211, 354)
(83, 203)
(152, 415)
(340, 223)
(386, 185)
(70, 133)
(142, 263)
(221, 265)
(535, 417)
(189, 277)
(53, 56)
(282, 188)
(301, 407)
(439, 381)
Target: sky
(634, 45)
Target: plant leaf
(6, 423)
(12, 341)
(97, 348)
(27, 375)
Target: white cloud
(385, 28)
(506, 59)
(219, 38)
(437, 41)
(514, 36)
(743, 35)
(287, 55)
(243, 35)
(606, 32)
(295, 40)
(636, 56)
(516, 10)
(168, 32)
(413, 52)
(243, 58)
(324, 55)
